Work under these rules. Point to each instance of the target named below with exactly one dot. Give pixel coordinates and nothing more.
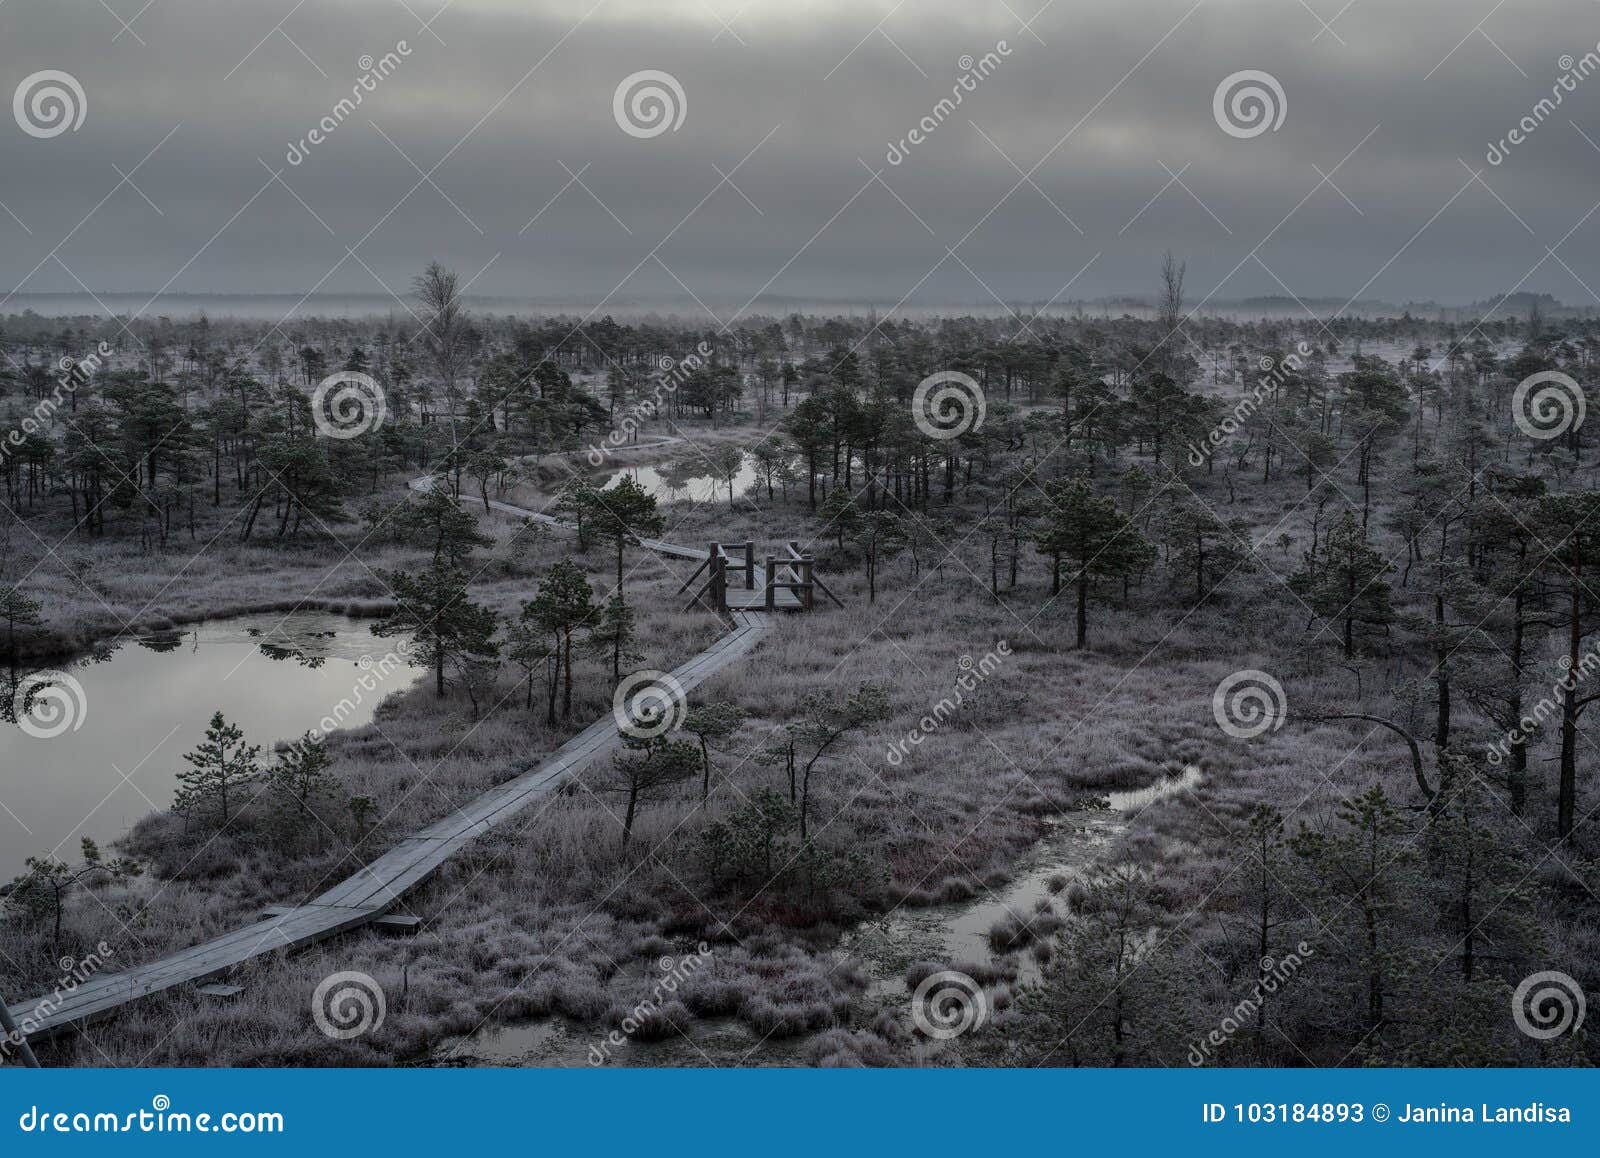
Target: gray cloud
(512, 95)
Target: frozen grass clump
(984, 974)
(786, 1018)
(1012, 932)
(651, 1022)
(953, 890)
(843, 1049)
(714, 997)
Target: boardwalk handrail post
(719, 577)
(772, 583)
(805, 568)
(749, 565)
(16, 1035)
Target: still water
(669, 484)
(119, 744)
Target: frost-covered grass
(548, 918)
(93, 589)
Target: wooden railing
(788, 583)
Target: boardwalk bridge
(779, 583)
(371, 896)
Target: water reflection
(142, 705)
(672, 482)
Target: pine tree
(1345, 582)
(1092, 540)
(725, 463)
(840, 514)
(623, 514)
(612, 634)
(448, 629)
(563, 604)
(1505, 604)
(826, 717)
(17, 610)
(436, 521)
(880, 534)
(1263, 903)
(1570, 547)
(580, 501)
(709, 723)
(1480, 878)
(42, 890)
(528, 648)
(220, 765)
(1101, 987)
(1203, 547)
(301, 771)
(646, 766)
(1366, 870)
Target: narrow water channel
(953, 935)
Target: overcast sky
(1102, 102)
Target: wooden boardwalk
(749, 598)
(378, 887)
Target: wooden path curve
(379, 886)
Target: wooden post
(749, 566)
(810, 596)
(772, 583)
(16, 1035)
(719, 577)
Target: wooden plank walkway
(657, 545)
(377, 887)
(739, 599)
